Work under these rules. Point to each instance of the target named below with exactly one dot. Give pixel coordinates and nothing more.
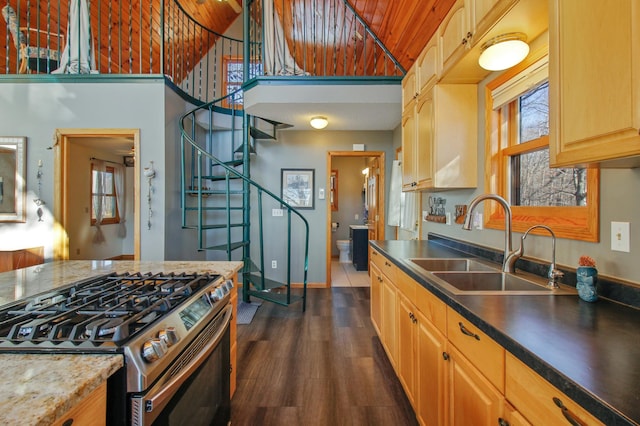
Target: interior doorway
(369, 193)
(76, 149)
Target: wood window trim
(105, 221)
(576, 223)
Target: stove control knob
(220, 293)
(169, 336)
(229, 284)
(213, 296)
(153, 349)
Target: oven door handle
(158, 398)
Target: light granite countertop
(37, 389)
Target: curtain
(97, 200)
(277, 57)
(121, 199)
(78, 55)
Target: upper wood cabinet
(428, 65)
(409, 87)
(594, 83)
(439, 138)
(465, 25)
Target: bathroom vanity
(359, 237)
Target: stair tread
(240, 149)
(276, 124)
(260, 134)
(234, 246)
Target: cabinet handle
(375, 253)
(502, 422)
(566, 413)
(379, 278)
(466, 332)
(386, 263)
(464, 41)
(445, 356)
(469, 35)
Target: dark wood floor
(323, 367)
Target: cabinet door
(407, 335)
(376, 301)
(472, 398)
(427, 68)
(389, 320)
(594, 91)
(431, 375)
(408, 148)
(425, 134)
(484, 14)
(409, 86)
(453, 35)
(512, 417)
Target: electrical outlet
(448, 218)
(276, 212)
(357, 216)
(424, 215)
(274, 264)
(620, 236)
(477, 221)
(321, 193)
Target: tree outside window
(566, 199)
(234, 78)
(109, 202)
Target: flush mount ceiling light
(504, 51)
(319, 122)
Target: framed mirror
(12, 179)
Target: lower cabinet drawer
(384, 264)
(538, 400)
(482, 351)
(90, 411)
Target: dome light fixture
(319, 122)
(504, 51)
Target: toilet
(343, 247)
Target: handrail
(230, 171)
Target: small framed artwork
(297, 187)
(12, 181)
(129, 160)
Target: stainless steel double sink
(472, 276)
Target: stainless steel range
(173, 331)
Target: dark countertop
(590, 351)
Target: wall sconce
(504, 51)
(149, 173)
(319, 122)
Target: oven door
(195, 388)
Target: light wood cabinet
(539, 401)
(22, 258)
(439, 139)
(473, 400)
(92, 410)
(407, 342)
(594, 83)
(389, 335)
(431, 373)
(512, 417)
(455, 34)
(409, 86)
(428, 65)
(375, 296)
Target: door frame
(61, 165)
(380, 202)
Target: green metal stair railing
(216, 195)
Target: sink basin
(495, 283)
(445, 265)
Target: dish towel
(409, 213)
(395, 194)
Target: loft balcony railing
(124, 37)
(318, 38)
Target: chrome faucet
(554, 274)
(508, 248)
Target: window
(109, 203)
(565, 199)
(234, 77)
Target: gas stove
(150, 318)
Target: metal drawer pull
(502, 422)
(566, 413)
(445, 356)
(466, 332)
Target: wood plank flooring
(323, 367)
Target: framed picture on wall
(12, 179)
(297, 187)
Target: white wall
(308, 149)
(36, 110)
